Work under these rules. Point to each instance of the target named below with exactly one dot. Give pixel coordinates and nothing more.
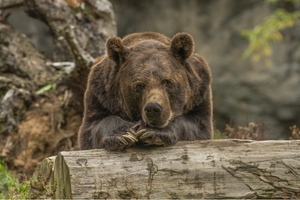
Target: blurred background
(47, 48)
(244, 90)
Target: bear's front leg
(114, 133)
(154, 136)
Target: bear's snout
(153, 110)
(156, 108)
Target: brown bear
(149, 90)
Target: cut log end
(188, 170)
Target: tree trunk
(198, 169)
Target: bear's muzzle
(153, 110)
(156, 111)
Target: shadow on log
(188, 170)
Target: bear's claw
(135, 126)
(151, 141)
(140, 132)
(158, 141)
(150, 137)
(125, 141)
(130, 137)
(147, 134)
(122, 140)
(131, 131)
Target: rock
(96, 21)
(41, 98)
(9, 3)
(22, 60)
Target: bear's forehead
(153, 68)
(151, 59)
(153, 63)
(148, 68)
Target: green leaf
(46, 88)
(264, 34)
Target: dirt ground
(50, 125)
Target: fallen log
(198, 169)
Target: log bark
(188, 170)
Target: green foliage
(9, 185)
(11, 188)
(46, 88)
(219, 135)
(264, 34)
(80, 8)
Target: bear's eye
(167, 83)
(139, 87)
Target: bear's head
(153, 78)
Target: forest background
(47, 48)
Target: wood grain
(198, 169)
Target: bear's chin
(157, 123)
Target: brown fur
(148, 73)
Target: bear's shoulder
(135, 38)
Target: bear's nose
(153, 110)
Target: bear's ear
(115, 50)
(182, 46)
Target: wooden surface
(198, 169)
